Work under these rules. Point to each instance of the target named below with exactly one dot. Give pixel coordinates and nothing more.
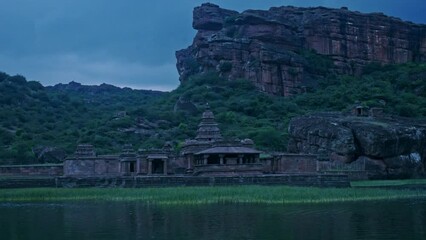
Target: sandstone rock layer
(274, 48)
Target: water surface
(131, 220)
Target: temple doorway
(157, 166)
(132, 167)
(213, 159)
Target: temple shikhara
(209, 154)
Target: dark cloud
(126, 43)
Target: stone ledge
(313, 180)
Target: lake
(131, 220)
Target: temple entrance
(157, 166)
(132, 167)
(213, 159)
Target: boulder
(319, 134)
(392, 147)
(210, 17)
(404, 166)
(185, 105)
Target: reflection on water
(372, 220)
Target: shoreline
(253, 194)
(305, 180)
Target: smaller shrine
(157, 161)
(128, 163)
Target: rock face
(45, 154)
(275, 49)
(183, 104)
(384, 147)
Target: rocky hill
(285, 50)
(388, 147)
(42, 124)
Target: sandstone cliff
(386, 147)
(275, 49)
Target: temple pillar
(149, 166)
(256, 159)
(124, 168)
(240, 159)
(189, 158)
(280, 167)
(119, 167)
(221, 158)
(165, 167)
(205, 159)
(138, 166)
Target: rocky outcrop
(46, 154)
(185, 105)
(276, 49)
(385, 147)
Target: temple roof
(85, 150)
(208, 129)
(157, 156)
(229, 150)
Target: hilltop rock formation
(387, 147)
(280, 50)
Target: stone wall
(91, 166)
(28, 182)
(297, 163)
(307, 180)
(229, 169)
(355, 171)
(352, 175)
(32, 170)
(311, 180)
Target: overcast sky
(125, 43)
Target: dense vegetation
(212, 195)
(33, 117)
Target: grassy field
(388, 183)
(209, 195)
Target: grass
(209, 195)
(388, 183)
(11, 177)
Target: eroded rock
(48, 154)
(273, 48)
(392, 147)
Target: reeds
(209, 195)
(388, 183)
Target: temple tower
(208, 129)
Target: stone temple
(209, 154)
(206, 160)
(206, 155)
